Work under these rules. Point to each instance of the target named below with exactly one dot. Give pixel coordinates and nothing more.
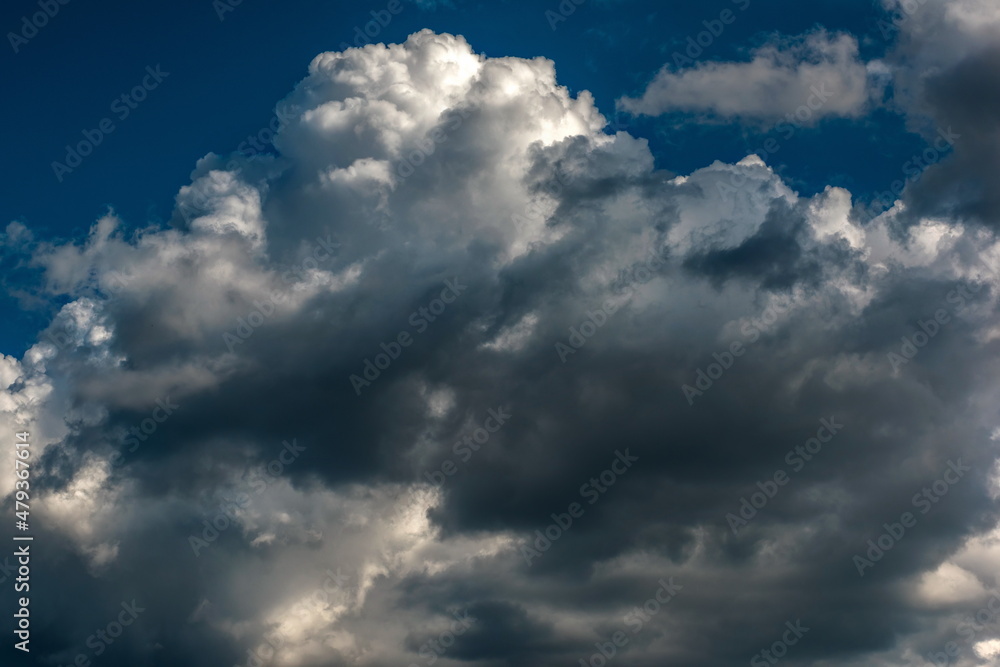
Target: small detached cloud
(820, 70)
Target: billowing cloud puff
(456, 376)
(946, 69)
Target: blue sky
(225, 75)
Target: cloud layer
(576, 369)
